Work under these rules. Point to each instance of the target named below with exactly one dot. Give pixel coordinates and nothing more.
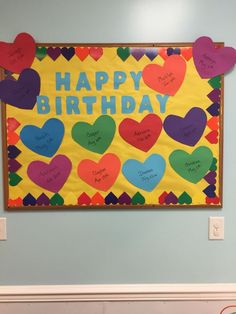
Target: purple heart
(187, 130)
(43, 200)
(111, 199)
(151, 53)
(68, 53)
(13, 165)
(124, 199)
(171, 198)
(23, 92)
(54, 53)
(210, 177)
(13, 151)
(214, 109)
(211, 61)
(214, 95)
(210, 190)
(137, 53)
(29, 200)
(50, 176)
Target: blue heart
(145, 175)
(44, 141)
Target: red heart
(214, 200)
(162, 197)
(96, 52)
(187, 53)
(168, 78)
(101, 175)
(213, 123)
(163, 53)
(82, 52)
(212, 137)
(12, 124)
(15, 202)
(142, 135)
(19, 55)
(84, 199)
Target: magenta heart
(211, 61)
(50, 176)
(23, 92)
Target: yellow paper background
(193, 93)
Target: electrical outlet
(216, 228)
(3, 228)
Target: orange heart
(213, 123)
(187, 53)
(97, 199)
(101, 175)
(82, 52)
(168, 78)
(96, 52)
(12, 138)
(212, 137)
(163, 53)
(15, 202)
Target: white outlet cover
(216, 228)
(3, 228)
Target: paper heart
(50, 176)
(41, 53)
(111, 199)
(12, 138)
(162, 197)
(171, 198)
(13, 165)
(211, 61)
(185, 198)
(214, 109)
(82, 52)
(97, 137)
(84, 199)
(15, 202)
(54, 53)
(18, 55)
(165, 79)
(173, 51)
(13, 151)
(187, 53)
(187, 130)
(213, 166)
(213, 123)
(138, 199)
(163, 53)
(57, 200)
(68, 53)
(124, 198)
(145, 175)
(23, 92)
(123, 53)
(151, 53)
(210, 190)
(29, 200)
(142, 135)
(14, 179)
(43, 200)
(210, 177)
(12, 124)
(96, 52)
(212, 137)
(137, 53)
(44, 141)
(215, 82)
(97, 199)
(192, 167)
(100, 175)
(214, 95)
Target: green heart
(14, 178)
(97, 137)
(185, 199)
(123, 53)
(191, 167)
(215, 82)
(57, 200)
(41, 53)
(213, 166)
(138, 199)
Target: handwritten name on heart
(187, 130)
(145, 175)
(18, 55)
(101, 175)
(168, 78)
(97, 137)
(192, 167)
(46, 140)
(211, 61)
(23, 92)
(142, 135)
(50, 176)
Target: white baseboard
(137, 292)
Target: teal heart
(97, 137)
(191, 167)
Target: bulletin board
(112, 126)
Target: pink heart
(210, 60)
(50, 176)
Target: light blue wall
(145, 246)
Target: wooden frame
(116, 206)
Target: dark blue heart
(13, 151)
(111, 199)
(214, 109)
(68, 53)
(29, 200)
(44, 141)
(210, 190)
(173, 51)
